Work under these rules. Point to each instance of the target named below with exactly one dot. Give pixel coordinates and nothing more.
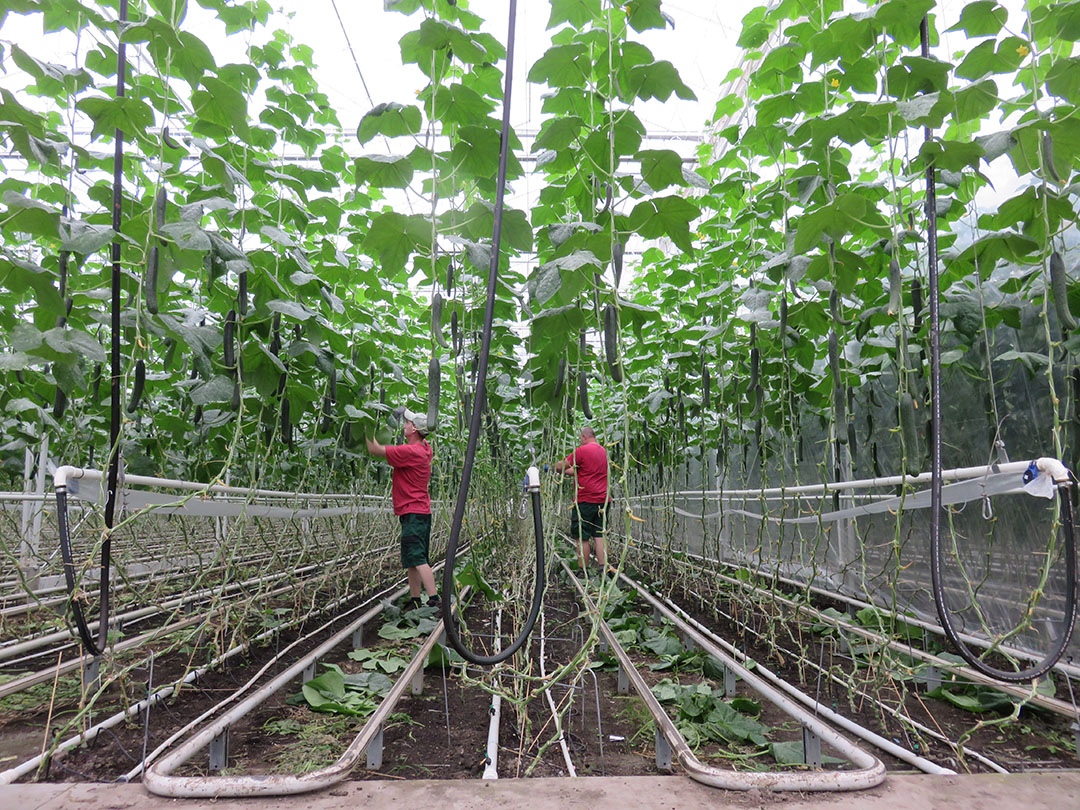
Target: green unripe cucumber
(229, 339)
(583, 393)
(434, 377)
(611, 342)
(150, 283)
(1059, 289)
(436, 320)
(137, 389)
(910, 434)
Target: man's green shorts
(415, 537)
(593, 518)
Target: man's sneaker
(434, 601)
(412, 603)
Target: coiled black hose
(937, 578)
(479, 400)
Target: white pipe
(1049, 465)
(491, 766)
(1069, 670)
(554, 710)
(669, 609)
(10, 775)
(65, 473)
(159, 780)
(871, 771)
(1052, 704)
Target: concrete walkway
(1042, 791)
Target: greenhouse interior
(553, 403)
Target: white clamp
(532, 479)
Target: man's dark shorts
(415, 537)
(594, 516)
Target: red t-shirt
(590, 462)
(412, 471)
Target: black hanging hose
(937, 577)
(85, 635)
(479, 399)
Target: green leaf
(663, 645)
(30, 216)
(292, 309)
(65, 340)
(576, 12)
(665, 216)
(128, 114)
(393, 237)
(383, 171)
(661, 168)
(562, 66)
(83, 237)
(983, 18)
(221, 103)
(659, 80)
(563, 275)
(389, 119)
(217, 389)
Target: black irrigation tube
(936, 566)
(480, 403)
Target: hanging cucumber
(229, 339)
(436, 320)
(895, 287)
(916, 303)
(755, 363)
(434, 379)
(333, 384)
(706, 385)
(137, 389)
(234, 403)
(60, 402)
(910, 435)
(455, 334)
(286, 423)
(617, 260)
(583, 394)
(160, 205)
(560, 377)
(1059, 289)
(65, 256)
(327, 412)
(450, 277)
(150, 283)
(242, 296)
(1048, 157)
(839, 410)
(611, 342)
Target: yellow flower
(835, 82)
(1023, 51)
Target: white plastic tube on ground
(491, 760)
(871, 771)
(570, 769)
(901, 753)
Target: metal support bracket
(688, 642)
(811, 746)
(358, 637)
(663, 752)
(624, 681)
(91, 675)
(219, 751)
(1076, 737)
(933, 678)
(729, 682)
(417, 682)
(309, 670)
(374, 751)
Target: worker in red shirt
(589, 515)
(411, 463)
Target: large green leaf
(383, 171)
(389, 119)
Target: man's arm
(376, 449)
(564, 466)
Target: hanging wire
(452, 634)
